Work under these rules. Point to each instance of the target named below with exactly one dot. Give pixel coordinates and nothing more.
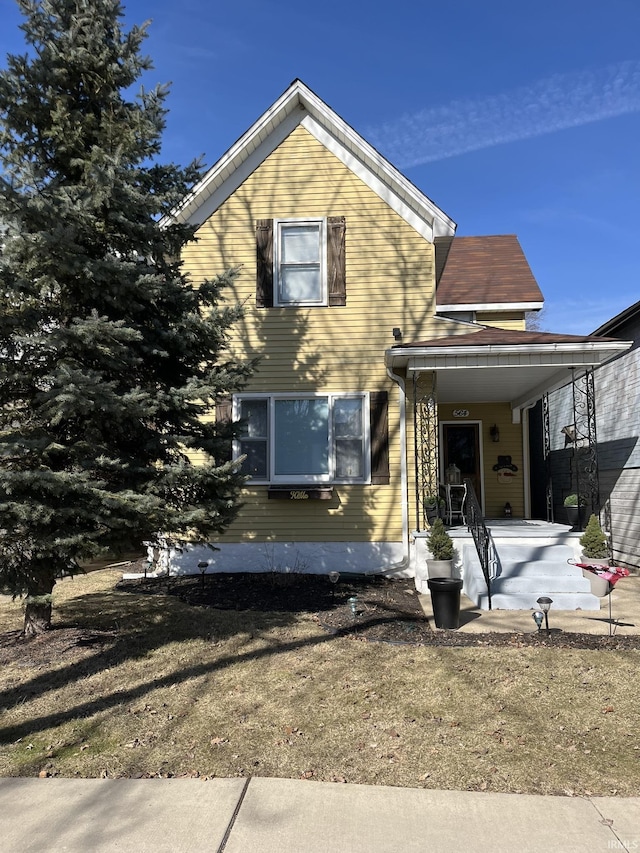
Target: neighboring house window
(301, 262)
(310, 438)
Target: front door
(461, 447)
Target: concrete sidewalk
(264, 815)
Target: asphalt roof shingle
(484, 270)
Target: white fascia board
(386, 181)
(268, 123)
(418, 216)
(588, 354)
(491, 306)
(231, 175)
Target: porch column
(585, 449)
(546, 428)
(425, 419)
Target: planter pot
(440, 568)
(599, 586)
(575, 515)
(432, 512)
(445, 601)
(594, 561)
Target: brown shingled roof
(484, 270)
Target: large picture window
(304, 438)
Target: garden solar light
(353, 604)
(334, 577)
(538, 616)
(545, 603)
(203, 566)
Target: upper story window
(301, 262)
(300, 268)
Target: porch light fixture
(538, 618)
(494, 432)
(397, 333)
(545, 603)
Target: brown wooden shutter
(336, 267)
(264, 258)
(224, 410)
(379, 412)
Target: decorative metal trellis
(425, 410)
(585, 449)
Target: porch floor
(519, 527)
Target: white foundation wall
(301, 557)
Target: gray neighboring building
(617, 419)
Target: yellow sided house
(395, 371)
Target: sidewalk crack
(234, 816)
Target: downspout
(405, 561)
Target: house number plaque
(461, 413)
(284, 493)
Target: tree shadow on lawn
(104, 630)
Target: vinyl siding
(617, 408)
(389, 274)
(512, 320)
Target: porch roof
(493, 365)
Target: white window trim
(310, 479)
(277, 231)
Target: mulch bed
(387, 610)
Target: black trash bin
(445, 599)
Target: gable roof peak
(299, 105)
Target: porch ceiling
(518, 374)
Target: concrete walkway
(625, 615)
(265, 815)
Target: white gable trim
(300, 105)
(427, 225)
(226, 176)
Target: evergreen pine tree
(109, 357)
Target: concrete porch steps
(525, 572)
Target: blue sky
(513, 117)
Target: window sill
(300, 493)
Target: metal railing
(481, 536)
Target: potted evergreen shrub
(440, 565)
(595, 548)
(574, 507)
